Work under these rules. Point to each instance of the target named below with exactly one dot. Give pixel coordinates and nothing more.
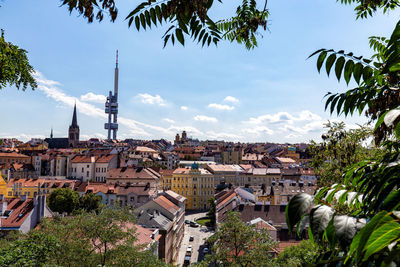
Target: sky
(269, 94)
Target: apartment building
(167, 216)
(194, 183)
(94, 168)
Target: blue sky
(271, 93)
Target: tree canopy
(357, 219)
(66, 200)
(340, 148)
(238, 244)
(63, 200)
(88, 239)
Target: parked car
(187, 221)
(186, 261)
(194, 224)
(205, 250)
(191, 238)
(189, 251)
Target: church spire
(74, 119)
(51, 133)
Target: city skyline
(269, 94)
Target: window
(9, 193)
(87, 166)
(87, 174)
(83, 169)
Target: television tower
(111, 107)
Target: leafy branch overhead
(14, 66)
(377, 81)
(185, 19)
(366, 8)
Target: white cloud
(220, 107)
(223, 136)
(152, 100)
(258, 130)
(231, 99)
(299, 125)
(22, 137)
(205, 118)
(284, 117)
(90, 97)
(190, 130)
(168, 120)
(184, 108)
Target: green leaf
(296, 207)
(330, 235)
(179, 36)
(360, 240)
(320, 216)
(367, 73)
(397, 130)
(380, 120)
(320, 60)
(137, 23)
(348, 70)
(153, 16)
(357, 71)
(382, 237)
(391, 201)
(166, 39)
(316, 52)
(339, 67)
(143, 21)
(346, 228)
(329, 63)
(147, 16)
(301, 225)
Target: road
(199, 235)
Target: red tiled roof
(131, 173)
(166, 204)
(143, 235)
(285, 244)
(166, 172)
(105, 159)
(225, 199)
(81, 159)
(13, 155)
(20, 211)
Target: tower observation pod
(111, 107)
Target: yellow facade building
(31, 187)
(195, 184)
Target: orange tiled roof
(13, 155)
(166, 172)
(143, 235)
(166, 204)
(20, 211)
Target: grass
(204, 221)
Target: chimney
(3, 206)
